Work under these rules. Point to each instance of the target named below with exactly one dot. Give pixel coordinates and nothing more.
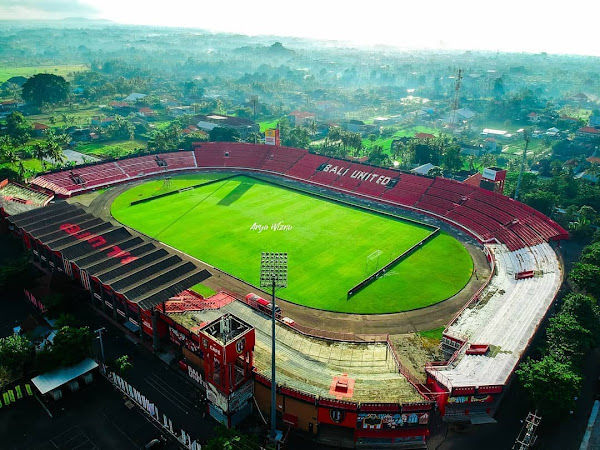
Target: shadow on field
(236, 194)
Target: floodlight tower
(273, 274)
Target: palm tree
(39, 152)
(10, 155)
(471, 160)
(312, 127)
(55, 153)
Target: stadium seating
(487, 214)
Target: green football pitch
(331, 246)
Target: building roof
(39, 126)
(424, 136)
(134, 96)
(424, 169)
(220, 119)
(144, 272)
(57, 378)
(593, 160)
(590, 130)
(302, 114)
(120, 105)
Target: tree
(451, 159)
(15, 275)
(39, 152)
(71, 345)
(435, 171)
(122, 365)
(221, 134)
(378, 157)
(471, 160)
(45, 88)
(591, 254)
(541, 200)
(551, 384)
(17, 127)
(15, 350)
(586, 312)
(298, 137)
(587, 278)
(54, 152)
(568, 340)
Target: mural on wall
(390, 421)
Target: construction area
(16, 198)
(505, 320)
(313, 365)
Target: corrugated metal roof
(135, 266)
(52, 380)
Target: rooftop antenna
(526, 138)
(457, 84)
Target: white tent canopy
(56, 378)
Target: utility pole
(527, 138)
(527, 437)
(99, 333)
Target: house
(243, 126)
(134, 97)
(301, 118)
(579, 98)
(423, 170)
(471, 150)
(102, 122)
(587, 134)
(594, 121)
(391, 120)
(146, 112)
(496, 133)
(533, 117)
(553, 132)
(39, 129)
(355, 126)
(178, 111)
(9, 105)
(121, 108)
(491, 145)
(459, 116)
(81, 134)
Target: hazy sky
(511, 25)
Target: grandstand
(16, 198)
(504, 320)
(483, 343)
(487, 216)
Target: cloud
(43, 9)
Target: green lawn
(328, 243)
(111, 149)
(268, 124)
(386, 143)
(436, 333)
(204, 291)
(27, 71)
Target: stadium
(373, 253)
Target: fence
(152, 410)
